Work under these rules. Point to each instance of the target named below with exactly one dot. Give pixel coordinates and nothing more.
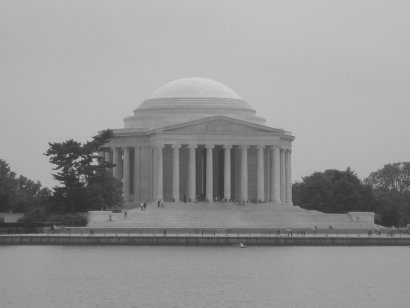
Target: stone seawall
(202, 240)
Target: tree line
(385, 192)
(18, 193)
(86, 183)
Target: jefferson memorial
(195, 139)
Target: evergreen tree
(82, 173)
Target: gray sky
(334, 73)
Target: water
(70, 276)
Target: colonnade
(273, 164)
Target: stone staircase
(222, 215)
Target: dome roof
(189, 99)
(194, 87)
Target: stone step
(222, 215)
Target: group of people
(161, 203)
(143, 206)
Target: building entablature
(217, 130)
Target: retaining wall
(202, 240)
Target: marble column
(175, 172)
(109, 159)
(244, 173)
(275, 174)
(107, 155)
(288, 176)
(137, 173)
(209, 173)
(271, 173)
(117, 161)
(282, 176)
(160, 172)
(261, 175)
(227, 172)
(192, 172)
(110, 154)
(127, 174)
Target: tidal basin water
(103, 276)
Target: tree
(391, 185)
(392, 177)
(17, 194)
(7, 187)
(333, 191)
(104, 192)
(82, 173)
(388, 208)
(29, 194)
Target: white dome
(194, 87)
(189, 99)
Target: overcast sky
(334, 73)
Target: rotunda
(188, 99)
(196, 139)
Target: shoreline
(198, 240)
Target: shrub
(70, 220)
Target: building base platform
(227, 216)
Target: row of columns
(280, 172)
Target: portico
(219, 151)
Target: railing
(169, 232)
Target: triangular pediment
(220, 124)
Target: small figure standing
(142, 206)
(125, 214)
(109, 217)
(159, 202)
(289, 231)
(145, 206)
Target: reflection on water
(74, 276)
